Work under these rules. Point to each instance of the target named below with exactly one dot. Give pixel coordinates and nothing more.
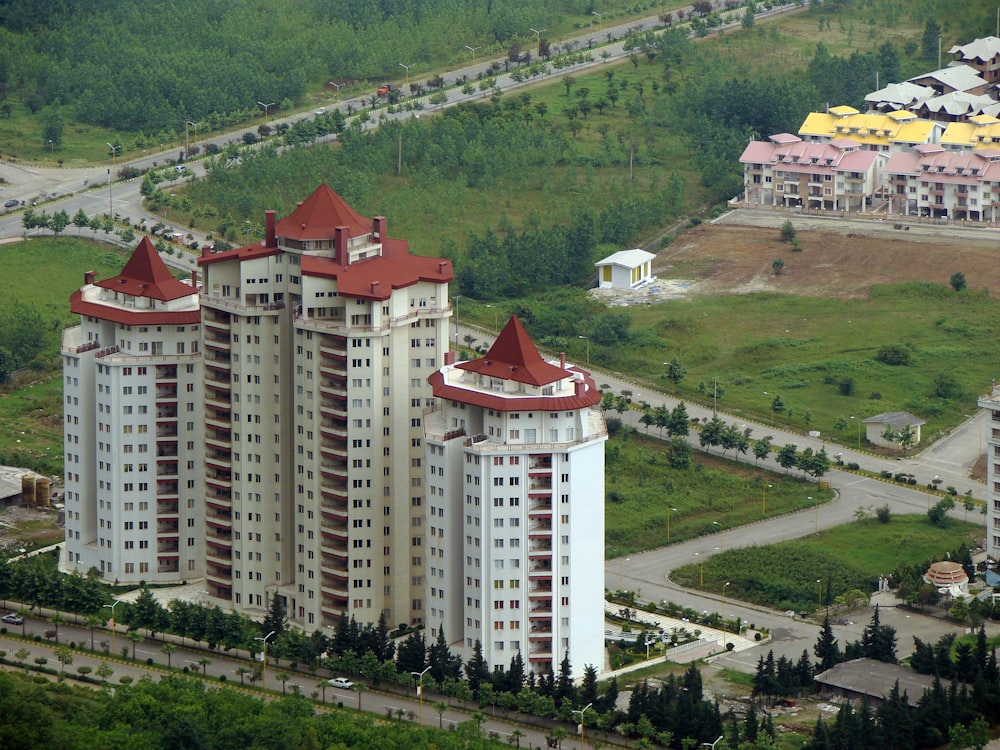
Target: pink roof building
(939, 183)
(787, 171)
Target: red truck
(385, 89)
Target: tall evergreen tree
(588, 686)
(827, 650)
(412, 654)
(565, 689)
(477, 671)
(441, 661)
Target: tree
(57, 619)
(787, 231)
(104, 671)
(826, 649)
(777, 266)
(283, 678)
(59, 222)
(680, 453)
(748, 16)
(135, 638)
(777, 405)
(957, 281)
(788, 457)
(679, 424)
(80, 220)
(477, 671)
(275, 620)
(168, 649)
(65, 657)
(675, 373)
(441, 661)
(906, 437)
(762, 448)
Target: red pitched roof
(146, 275)
(513, 356)
(442, 390)
(319, 215)
(374, 278)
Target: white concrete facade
(515, 477)
(132, 428)
(319, 341)
(991, 402)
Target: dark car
(11, 203)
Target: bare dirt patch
(839, 258)
(27, 527)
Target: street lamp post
(819, 596)
(266, 107)
(496, 319)
(587, 338)
(620, 576)
(112, 622)
(454, 307)
(859, 433)
(407, 68)
(716, 523)
(111, 179)
(420, 691)
(763, 499)
(583, 710)
(187, 142)
(724, 586)
(263, 674)
(472, 51)
(670, 512)
(538, 39)
(336, 86)
(701, 570)
(809, 497)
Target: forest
(150, 66)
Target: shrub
(885, 474)
(853, 466)
(149, 661)
(222, 678)
(875, 395)
(787, 231)
(846, 387)
(883, 514)
(895, 355)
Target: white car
(12, 619)
(341, 682)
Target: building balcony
(218, 519)
(221, 574)
(168, 566)
(166, 528)
(166, 488)
(167, 547)
(166, 507)
(166, 393)
(219, 557)
(540, 609)
(166, 430)
(540, 548)
(334, 591)
(166, 372)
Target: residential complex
(937, 134)
(515, 471)
(787, 171)
(133, 426)
(938, 183)
(277, 434)
(318, 344)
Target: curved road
(646, 572)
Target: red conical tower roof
(513, 356)
(319, 215)
(146, 275)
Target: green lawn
(31, 415)
(853, 556)
(804, 348)
(642, 488)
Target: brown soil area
(841, 259)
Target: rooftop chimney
(89, 277)
(206, 250)
(379, 228)
(449, 357)
(270, 240)
(194, 279)
(341, 236)
(562, 360)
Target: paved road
(366, 699)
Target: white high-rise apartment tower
(515, 496)
(318, 343)
(133, 426)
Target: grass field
(805, 348)
(31, 414)
(642, 490)
(853, 556)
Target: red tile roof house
(787, 171)
(939, 183)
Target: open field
(814, 332)
(714, 490)
(853, 556)
(31, 407)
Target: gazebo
(948, 575)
